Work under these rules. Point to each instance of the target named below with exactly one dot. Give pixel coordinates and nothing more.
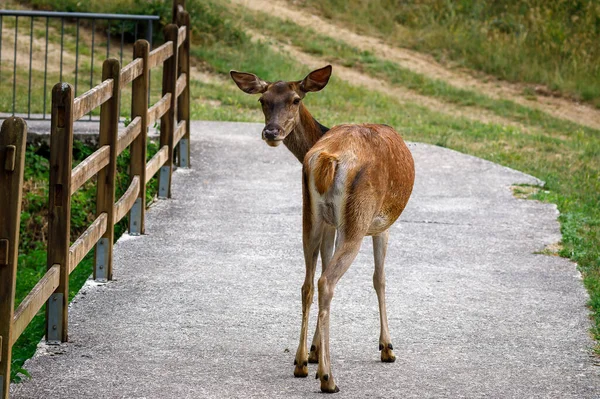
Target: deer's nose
(270, 133)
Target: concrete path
(207, 304)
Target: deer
(356, 181)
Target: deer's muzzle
(272, 135)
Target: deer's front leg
(301, 360)
(326, 253)
(311, 240)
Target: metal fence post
(69, 67)
(105, 199)
(12, 161)
(167, 122)
(137, 165)
(59, 209)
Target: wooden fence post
(178, 5)
(105, 199)
(12, 161)
(167, 122)
(183, 104)
(137, 165)
(59, 209)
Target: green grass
(550, 42)
(335, 51)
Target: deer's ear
(249, 82)
(316, 80)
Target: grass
(552, 43)
(339, 52)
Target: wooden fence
(172, 110)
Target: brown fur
(324, 171)
(357, 180)
(379, 174)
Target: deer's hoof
(328, 384)
(301, 370)
(387, 355)
(329, 388)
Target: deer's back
(360, 175)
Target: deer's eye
(296, 101)
(260, 100)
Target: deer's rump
(359, 177)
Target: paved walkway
(207, 304)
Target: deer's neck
(305, 135)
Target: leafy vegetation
(550, 42)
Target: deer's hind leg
(379, 251)
(327, 244)
(344, 255)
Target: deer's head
(281, 101)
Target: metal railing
(33, 36)
(63, 257)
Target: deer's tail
(324, 171)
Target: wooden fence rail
(172, 110)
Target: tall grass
(555, 43)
